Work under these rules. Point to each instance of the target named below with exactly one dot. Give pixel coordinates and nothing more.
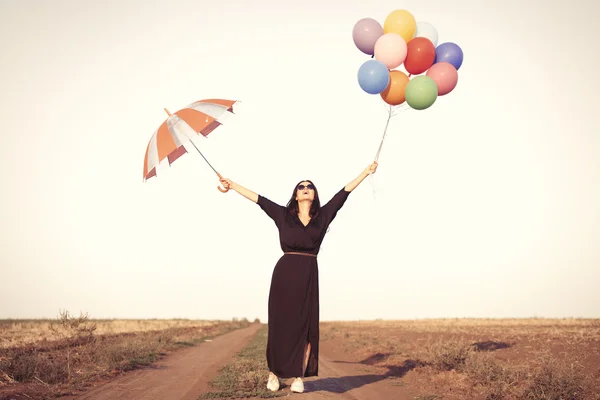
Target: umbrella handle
(219, 187)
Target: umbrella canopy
(201, 117)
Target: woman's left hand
(371, 168)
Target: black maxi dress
(294, 292)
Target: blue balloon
(449, 52)
(373, 76)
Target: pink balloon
(445, 77)
(391, 50)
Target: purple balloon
(449, 52)
(365, 33)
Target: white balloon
(426, 30)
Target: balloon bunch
(404, 41)
(401, 40)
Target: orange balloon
(394, 92)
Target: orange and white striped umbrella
(200, 117)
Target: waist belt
(300, 254)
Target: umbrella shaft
(194, 144)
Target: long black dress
(294, 293)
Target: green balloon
(421, 92)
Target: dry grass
(555, 379)
(22, 332)
(531, 359)
(247, 375)
(77, 355)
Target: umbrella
(200, 117)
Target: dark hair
(292, 205)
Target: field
(478, 358)
(453, 359)
(46, 358)
(23, 332)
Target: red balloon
(420, 55)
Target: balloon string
(373, 186)
(384, 132)
(379, 149)
(392, 112)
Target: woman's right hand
(227, 183)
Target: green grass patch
(246, 376)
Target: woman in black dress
(293, 336)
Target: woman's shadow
(346, 383)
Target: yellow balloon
(401, 22)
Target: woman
(293, 336)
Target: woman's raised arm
(247, 193)
(356, 181)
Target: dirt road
(185, 375)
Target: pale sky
(487, 204)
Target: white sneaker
(297, 386)
(273, 383)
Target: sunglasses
(309, 186)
